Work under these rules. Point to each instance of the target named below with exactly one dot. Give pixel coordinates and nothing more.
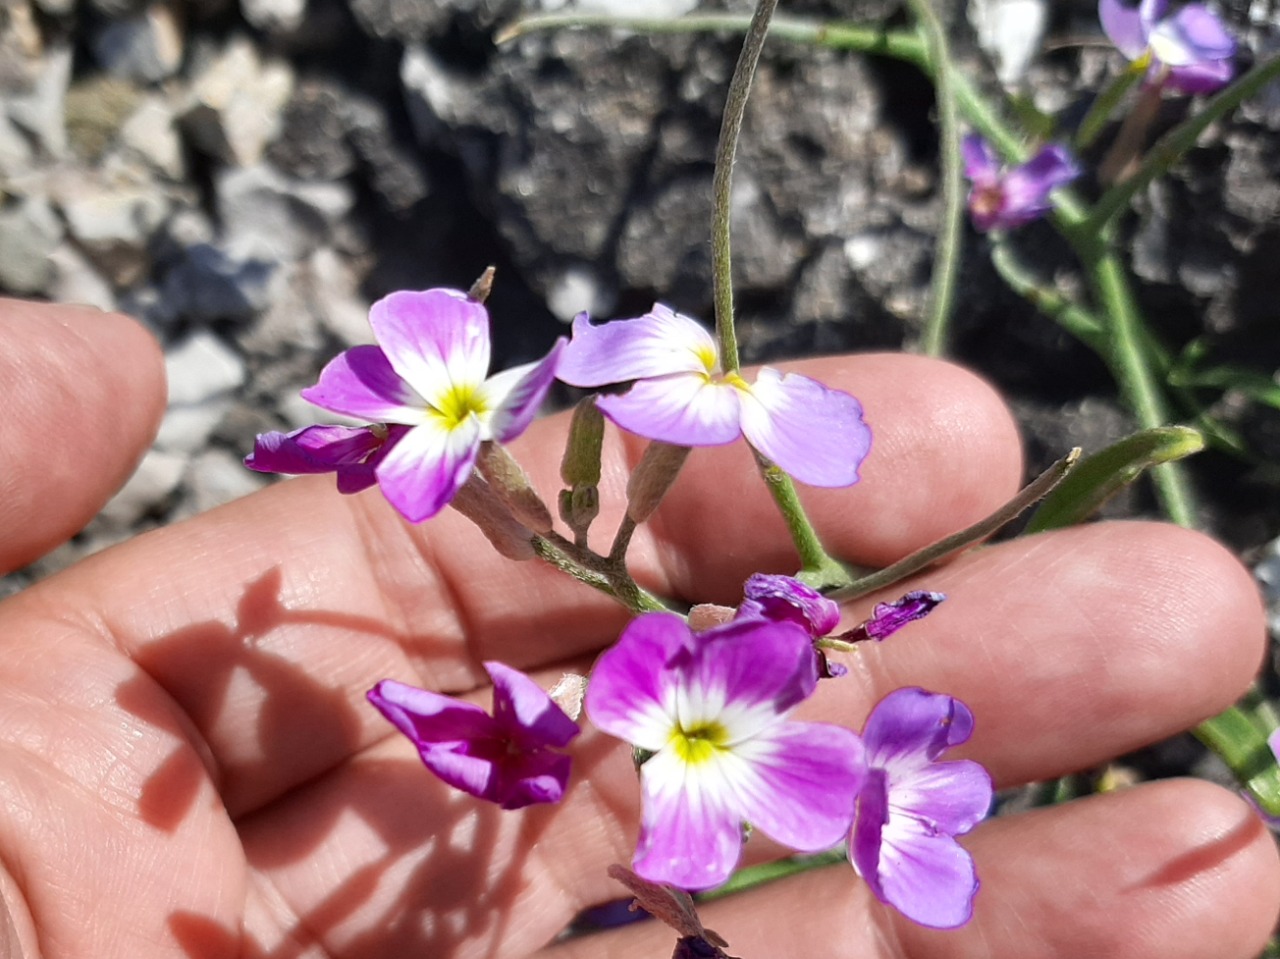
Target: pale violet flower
(913, 806)
(424, 387)
(511, 758)
(1189, 52)
(681, 396)
(710, 711)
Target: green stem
(1169, 148)
(1076, 320)
(735, 108)
(817, 568)
(1104, 104)
(946, 260)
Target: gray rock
(76, 281)
(274, 16)
(148, 490)
(188, 429)
(112, 222)
(235, 102)
(209, 284)
(215, 477)
(38, 112)
(29, 233)
(271, 217)
(21, 46)
(1010, 32)
(146, 47)
(151, 133)
(200, 369)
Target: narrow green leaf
(1099, 477)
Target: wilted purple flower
(508, 758)
(710, 708)
(784, 598)
(682, 397)
(426, 376)
(1189, 52)
(887, 618)
(1001, 199)
(913, 806)
(353, 452)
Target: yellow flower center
(699, 743)
(457, 404)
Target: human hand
(189, 769)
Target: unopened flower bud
(482, 287)
(479, 503)
(653, 476)
(508, 481)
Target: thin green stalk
(1074, 318)
(817, 568)
(1169, 148)
(1132, 365)
(946, 260)
(1104, 104)
(735, 108)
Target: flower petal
(659, 343)
(631, 694)
(925, 875)
(1192, 35)
(515, 395)
(318, 449)
(361, 382)
(1123, 25)
(769, 596)
(436, 340)
(525, 711)
(981, 165)
(690, 828)
(685, 409)
(887, 618)
(528, 778)
(800, 783)
(1206, 77)
(951, 797)
(427, 466)
(813, 433)
(911, 721)
(428, 718)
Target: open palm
(188, 767)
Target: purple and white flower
(681, 396)
(427, 379)
(353, 452)
(710, 710)
(1188, 52)
(912, 807)
(509, 758)
(1001, 198)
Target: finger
(1169, 870)
(1070, 648)
(83, 393)
(298, 596)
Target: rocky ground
(247, 178)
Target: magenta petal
(627, 694)
(912, 721)
(924, 874)
(770, 596)
(685, 409)
(660, 343)
(360, 382)
(805, 778)
(1123, 25)
(427, 467)
(813, 433)
(1197, 78)
(753, 663)
(887, 618)
(981, 165)
(518, 393)
(433, 339)
(319, 449)
(525, 711)
(690, 829)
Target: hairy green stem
(735, 108)
(946, 260)
(817, 568)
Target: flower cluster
(707, 711)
